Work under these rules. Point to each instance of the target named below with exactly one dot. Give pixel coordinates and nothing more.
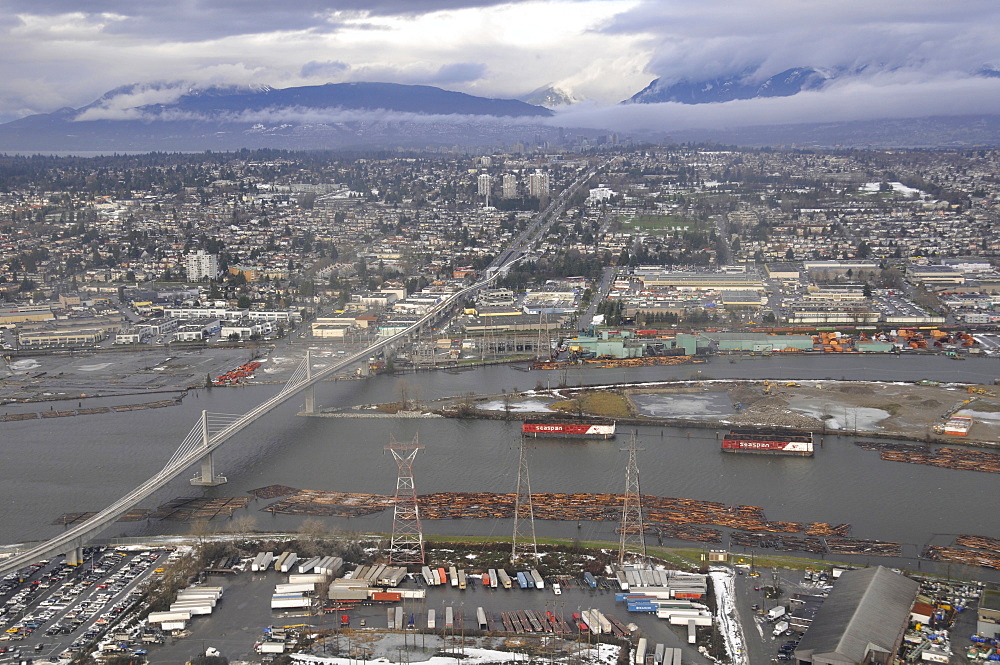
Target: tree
(244, 302)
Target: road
(607, 279)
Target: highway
(192, 450)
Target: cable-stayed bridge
(212, 430)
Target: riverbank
(876, 409)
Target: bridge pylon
(310, 392)
(207, 477)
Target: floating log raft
(863, 546)
(273, 491)
(968, 557)
(963, 459)
(196, 508)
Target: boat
(769, 442)
(559, 429)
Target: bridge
(212, 430)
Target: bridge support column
(75, 557)
(311, 390)
(207, 477)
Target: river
(60, 465)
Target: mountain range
(743, 85)
(342, 115)
(364, 116)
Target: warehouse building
(862, 621)
(988, 619)
(709, 342)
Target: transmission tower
(524, 515)
(632, 529)
(407, 537)
(543, 337)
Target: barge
(556, 429)
(769, 442)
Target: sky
(915, 57)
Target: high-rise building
(201, 265)
(484, 185)
(509, 186)
(538, 184)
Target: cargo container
(271, 647)
(590, 580)
(504, 578)
(603, 621)
(429, 579)
(308, 578)
(195, 609)
(486, 580)
(280, 559)
(412, 593)
(692, 631)
(392, 576)
(256, 563)
(442, 576)
(658, 654)
(642, 607)
(522, 581)
(386, 596)
(390, 618)
(453, 574)
(160, 617)
(493, 578)
(640, 651)
(481, 618)
(431, 624)
(348, 593)
(537, 579)
(375, 573)
(704, 620)
(399, 618)
(199, 597)
(282, 603)
(449, 617)
(305, 587)
(308, 565)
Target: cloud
(305, 116)
(884, 96)
(53, 53)
(696, 39)
(327, 69)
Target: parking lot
(51, 610)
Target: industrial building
(608, 344)
(988, 619)
(712, 342)
(862, 621)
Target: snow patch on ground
(94, 368)
(896, 187)
(24, 365)
(992, 416)
(727, 618)
(527, 406)
(851, 417)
